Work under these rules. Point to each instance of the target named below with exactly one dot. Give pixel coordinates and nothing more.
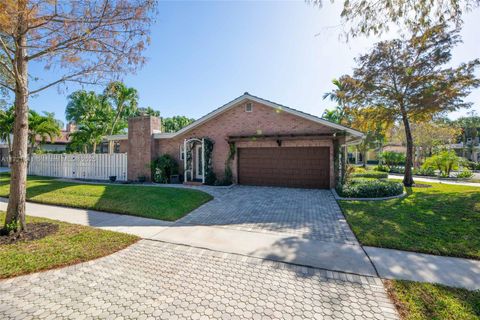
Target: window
(182, 152)
(248, 107)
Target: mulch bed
(34, 231)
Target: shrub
(371, 189)
(397, 170)
(444, 161)
(210, 178)
(465, 174)
(360, 180)
(359, 170)
(381, 168)
(370, 174)
(163, 167)
(424, 172)
(392, 159)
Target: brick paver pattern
(155, 280)
(311, 214)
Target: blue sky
(204, 54)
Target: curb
(337, 197)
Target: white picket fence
(80, 166)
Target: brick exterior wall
(263, 120)
(141, 146)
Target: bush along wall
(210, 177)
(228, 175)
(163, 168)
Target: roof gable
(245, 97)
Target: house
(59, 144)
(261, 142)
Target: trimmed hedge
(365, 188)
(429, 172)
(370, 174)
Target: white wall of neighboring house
(53, 147)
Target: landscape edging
(337, 197)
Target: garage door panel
(303, 167)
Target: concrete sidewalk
(142, 227)
(392, 264)
(396, 264)
(432, 180)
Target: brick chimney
(141, 146)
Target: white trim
(276, 106)
(117, 137)
(164, 135)
(182, 152)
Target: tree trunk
(15, 218)
(364, 155)
(407, 178)
(94, 150)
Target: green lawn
(69, 245)
(441, 220)
(152, 202)
(425, 301)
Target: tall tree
(124, 101)
(409, 81)
(83, 41)
(360, 17)
(175, 123)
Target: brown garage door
(285, 167)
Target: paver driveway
(163, 281)
(311, 214)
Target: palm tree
(125, 102)
(337, 95)
(87, 135)
(7, 118)
(43, 128)
(82, 106)
(93, 115)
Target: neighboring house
(273, 145)
(60, 143)
(469, 150)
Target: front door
(198, 162)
